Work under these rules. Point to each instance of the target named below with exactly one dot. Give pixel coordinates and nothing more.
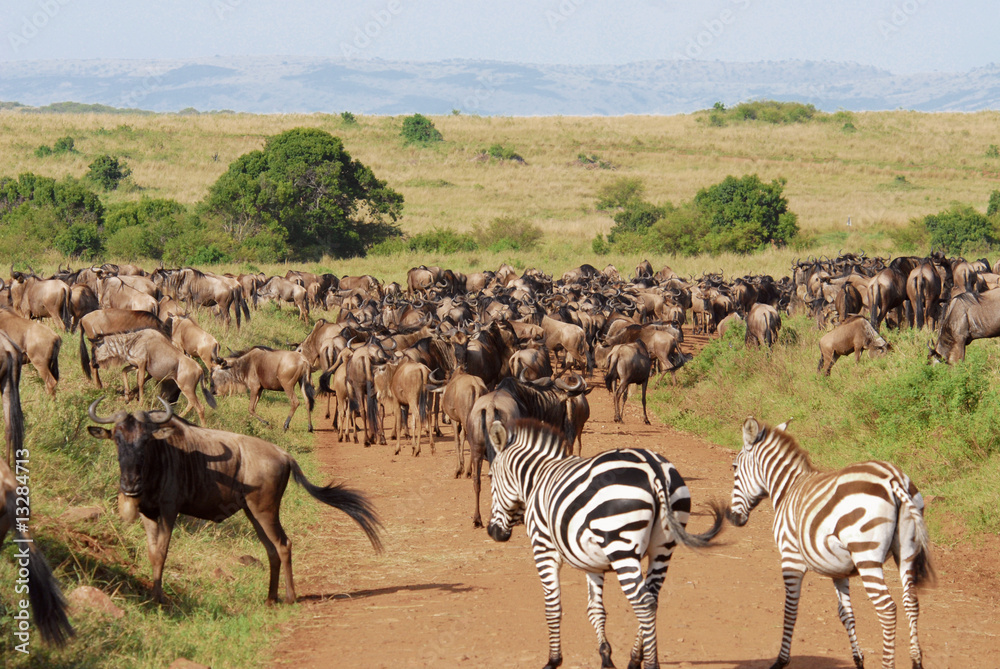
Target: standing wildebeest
(82, 300)
(763, 323)
(263, 368)
(544, 399)
(281, 290)
(111, 321)
(923, 289)
(205, 290)
(410, 387)
(40, 344)
(853, 335)
(150, 352)
(459, 395)
(10, 385)
(170, 467)
(47, 604)
(628, 364)
(32, 297)
(969, 316)
(116, 293)
(887, 289)
(848, 302)
(186, 335)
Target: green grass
(938, 422)
(217, 620)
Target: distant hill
(285, 85)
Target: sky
(903, 36)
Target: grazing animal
(33, 297)
(150, 352)
(170, 467)
(40, 344)
(969, 316)
(855, 334)
(599, 514)
(281, 290)
(47, 604)
(10, 385)
(628, 364)
(106, 322)
(261, 369)
(837, 524)
(923, 290)
(188, 336)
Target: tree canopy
(303, 194)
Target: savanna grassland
(940, 422)
(833, 173)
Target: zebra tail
(672, 524)
(923, 568)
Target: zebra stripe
(597, 514)
(837, 524)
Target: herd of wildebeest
(445, 348)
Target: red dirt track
(445, 595)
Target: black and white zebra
(597, 514)
(838, 524)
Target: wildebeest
(170, 467)
(281, 290)
(150, 352)
(82, 301)
(923, 290)
(544, 399)
(47, 604)
(763, 323)
(10, 385)
(628, 364)
(410, 386)
(853, 335)
(116, 293)
(203, 289)
(40, 344)
(188, 336)
(33, 297)
(358, 367)
(262, 368)
(460, 394)
(969, 316)
(110, 321)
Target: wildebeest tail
(47, 603)
(425, 392)
(371, 406)
(612, 374)
(85, 357)
(242, 304)
(919, 306)
(13, 417)
(67, 317)
(207, 392)
(351, 502)
(324, 382)
(54, 360)
(308, 391)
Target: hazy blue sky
(900, 35)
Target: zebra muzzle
(498, 533)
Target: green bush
(43, 151)
(620, 193)
(993, 151)
(79, 240)
(108, 172)
(743, 214)
(600, 246)
(961, 231)
(768, 111)
(993, 206)
(508, 233)
(62, 145)
(501, 152)
(438, 240)
(636, 216)
(418, 129)
(348, 118)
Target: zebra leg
(878, 592)
(656, 572)
(912, 608)
(793, 588)
(548, 571)
(598, 615)
(643, 602)
(846, 613)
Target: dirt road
(445, 595)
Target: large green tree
(304, 191)
(745, 213)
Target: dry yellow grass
(831, 174)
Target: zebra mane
(787, 443)
(533, 432)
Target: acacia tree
(305, 194)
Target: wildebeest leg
(255, 394)
(278, 547)
(459, 450)
(158, 543)
(293, 400)
(476, 467)
(398, 412)
(645, 418)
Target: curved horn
(433, 379)
(578, 384)
(166, 408)
(92, 412)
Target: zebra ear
(784, 426)
(752, 431)
(498, 436)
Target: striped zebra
(597, 514)
(837, 524)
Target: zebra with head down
(598, 514)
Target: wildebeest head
(131, 434)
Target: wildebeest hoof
(309, 429)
